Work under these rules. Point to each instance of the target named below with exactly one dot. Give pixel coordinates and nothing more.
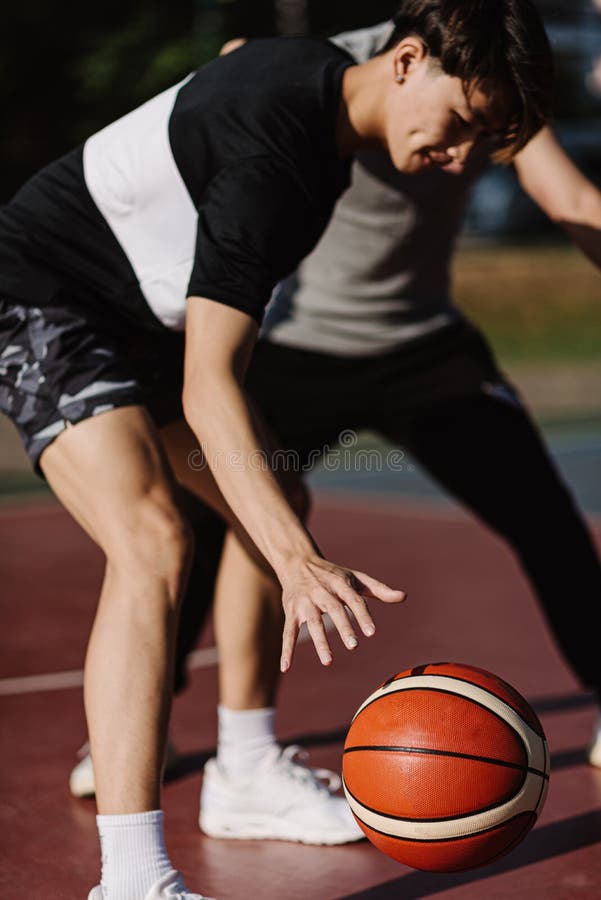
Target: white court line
(204, 658)
(33, 684)
(61, 681)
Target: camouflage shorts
(59, 364)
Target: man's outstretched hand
(316, 586)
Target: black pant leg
(485, 450)
(305, 398)
(209, 533)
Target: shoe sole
(269, 828)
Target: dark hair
(500, 45)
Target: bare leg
(248, 621)
(111, 474)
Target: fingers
(345, 588)
(371, 587)
(320, 640)
(334, 591)
(338, 614)
(317, 632)
(360, 610)
(288, 643)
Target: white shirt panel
(133, 179)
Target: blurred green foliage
(535, 303)
(68, 69)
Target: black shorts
(61, 364)
(309, 399)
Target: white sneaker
(81, 780)
(594, 750)
(170, 887)
(281, 800)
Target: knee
(167, 540)
(155, 544)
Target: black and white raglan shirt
(217, 187)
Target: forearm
(584, 229)
(222, 421)
(562, 191)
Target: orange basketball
(445, 767)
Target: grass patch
(534, 303)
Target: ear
(407, 55)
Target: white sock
(245, 736)
(133, 854)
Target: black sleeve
(255, 224)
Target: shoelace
(291, 762)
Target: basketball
(445, 767)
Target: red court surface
(468, 602)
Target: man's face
(430, 121)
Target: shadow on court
(563, 703)
(190, 764)
(547, 842)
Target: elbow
(583, 209)
(557, 209)
(204, 394)
(195, 401)
(187, 405)
(562, 218)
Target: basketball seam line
(538, 730)
(462, 697)
(456, 816)
(431, 752)
(542, 787)
(459, 837)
